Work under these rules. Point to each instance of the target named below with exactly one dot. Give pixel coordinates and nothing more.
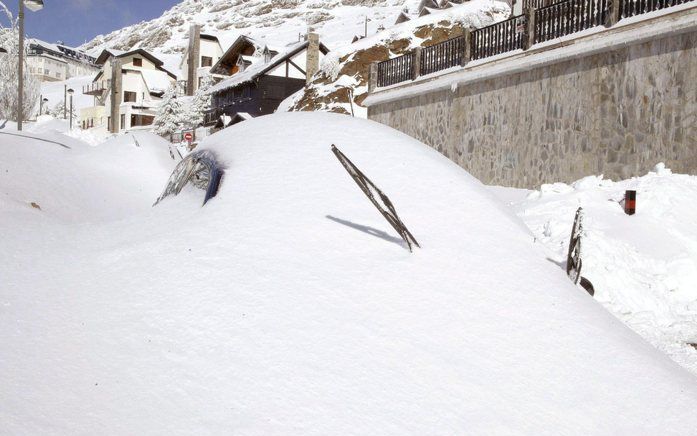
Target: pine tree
(170, 115)
(200, 103)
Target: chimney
(116, 95)
(194, 59)
(312, 63)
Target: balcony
(96, 88)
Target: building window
(206, 61)
(123, 121)
(142, 120)
(129, 97)
(137, 62)
(46, 72)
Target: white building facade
(55, 62)
(127, 91)
(202, 52)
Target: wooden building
(260, 78)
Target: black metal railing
(567, 17)
(96, 87)
(553, 20)
(498, 38)
(631, 8)
(443, 55)
(536, 3)
(395, 70)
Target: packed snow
(643, 267)
(288, 305)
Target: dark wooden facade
(262, 96)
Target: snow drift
(287, 305)
(643, 267)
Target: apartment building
(55, 62)
(127, 91)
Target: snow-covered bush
(9, 76)
(61, 110)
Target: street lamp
(32, 5)
(70, 93)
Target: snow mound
(643, 267)
(287, 305)
(81, 183)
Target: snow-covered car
(200, 169)
(289, 305)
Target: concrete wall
(617, 112)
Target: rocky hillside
(276, 21)
(342, 82)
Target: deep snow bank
(287, 305)
(77, 182)
(643, 267)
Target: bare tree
(9, 75)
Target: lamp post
(32, 5)
(70, 93)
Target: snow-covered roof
(244, 115)
(156, 80)
(61, 50)
(259, 67)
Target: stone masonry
(616, 113)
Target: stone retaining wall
(616, 113)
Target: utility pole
(34, 5)
(65, 100)
(20, 88)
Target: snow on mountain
(341, 85)
(287, 305)
(643, 267)
(277, 22)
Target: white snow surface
(275, 23)
(55, 91)
(644, 266)
(287, 304)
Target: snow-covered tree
(200, 103)
(170, 115)
(9, 76)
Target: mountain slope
(276, 21)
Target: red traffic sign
(189, 136)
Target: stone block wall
(616, 113)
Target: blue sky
(75, 21)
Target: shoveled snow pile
(643, 267)
(287, 305)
